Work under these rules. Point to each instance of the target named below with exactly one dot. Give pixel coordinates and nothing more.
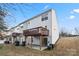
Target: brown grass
(68, 46)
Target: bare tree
(76, 31)
(22, 8)
(64, 33)
(2, 22)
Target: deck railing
(39, 31)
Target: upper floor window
(29, 22)
(21, 26)
(44, 17)
(17, 28)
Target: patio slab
(37, 47)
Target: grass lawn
(11, 50)
(65, 46)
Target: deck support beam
(40, 42)
(12, 40)
(25, 40)
(31, 41)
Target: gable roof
(31, 18)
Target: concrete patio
(36, 47)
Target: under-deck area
(34, 38)
(41, 33)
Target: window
(28, 22)
(17, 28)
(44, 17)
(21, 26)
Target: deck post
(40, 42)
(12, 40)
(31, 41)
(25, 40)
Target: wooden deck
(16, 34)
(39, 31)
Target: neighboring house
(40, 30)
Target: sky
(67, 14)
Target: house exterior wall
(55, 30)
(51, 25)
(36, 40)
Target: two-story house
(40, 30)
